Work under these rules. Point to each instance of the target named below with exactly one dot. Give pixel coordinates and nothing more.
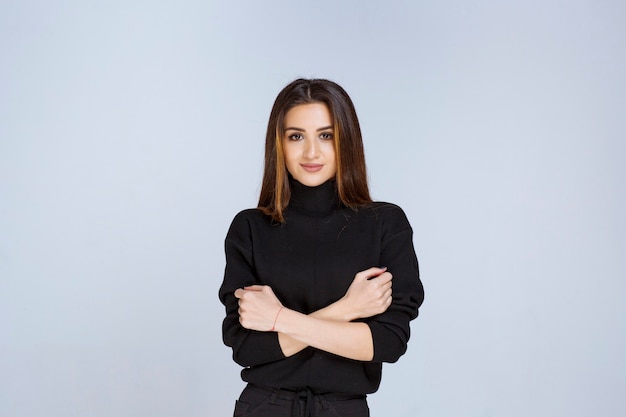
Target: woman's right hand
(369, 294)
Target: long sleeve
(390, 330)
(309, 262)
(249, 347)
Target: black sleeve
(250, 347)
(390, 330)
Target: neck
(317, 201)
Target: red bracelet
(276, 318)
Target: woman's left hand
(258, 307)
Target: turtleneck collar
(318, 201)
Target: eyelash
(295, 137)
(298, 136)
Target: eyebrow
(299, 129)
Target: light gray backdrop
(131, 132)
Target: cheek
(290, 160)
(288, 154)
(291, 168)
(331, 153)
(334, 167)
(329, 149)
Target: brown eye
(295, 137)
(326, 136)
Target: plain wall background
(132, 132)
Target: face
(309, 144)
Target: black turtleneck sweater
(310, 261)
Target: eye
(326, 136)
(295, 136)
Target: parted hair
(351, 177)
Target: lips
(312, 167)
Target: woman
(307, 288)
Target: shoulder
(250, 214)
(386, 207)
(391, 217)
(388, 211)
(245, 220)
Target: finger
(387, 302)
(267, 289)
(239, 293)
(384, 277)
(370, 273)
(386, 286)
(254, 287)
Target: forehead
(310, 114)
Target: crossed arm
(331, 328)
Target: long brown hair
(351, 177)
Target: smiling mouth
(312, 167)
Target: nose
(311, 149)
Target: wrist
(344, 311)
(283, 318)
(273, 329)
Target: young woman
(310, 313)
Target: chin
(311, 181)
